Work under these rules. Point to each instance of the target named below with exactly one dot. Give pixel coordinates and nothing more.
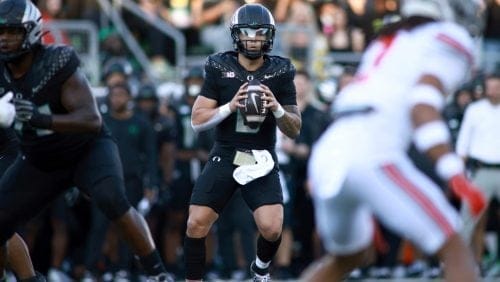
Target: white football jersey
(389, 69)
(392, 65)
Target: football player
(63, 140)
(359, 167)
(15, 253)
(237, 146)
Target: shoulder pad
(226, 63)
(456, 38)
(56, 64)
(278, 66)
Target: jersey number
(241, 127)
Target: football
(254, 112)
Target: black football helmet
(21, 14)
(252, 20)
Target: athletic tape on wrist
(222, 112)
(279, 112)
(427, 94)
(225, 110)
(431, 134)
(449, 165)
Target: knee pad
(109, 195)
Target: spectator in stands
(454, 111)
(180, 15)
(53, 10)
(299, 34)
(335, 27)
(360, 15)
(491, 38)
(158, 46)
(212, 18)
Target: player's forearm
(207, 118)
(167, 161)
(432, 137)
(425, 115)
(77, 122)
(291, 121)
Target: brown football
(254, 112)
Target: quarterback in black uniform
(63, 141)
(236, 144)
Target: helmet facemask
(243, 35)
(252, 23)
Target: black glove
(28, 112)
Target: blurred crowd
(162, 156)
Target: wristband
(225, 110)
(431, 134)
(449, 165)
(42, 121)
(280, 112)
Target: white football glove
(7, 110)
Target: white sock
(260, 264)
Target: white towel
(246, 173)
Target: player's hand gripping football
(271, 102)
(25, 110)
(237, 101)
(468, 193)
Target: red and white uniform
(359, 167)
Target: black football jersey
(224, 76)
(8, 140)
(42, 84)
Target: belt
(352, 112)
(479, 164)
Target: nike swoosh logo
(254, 102)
